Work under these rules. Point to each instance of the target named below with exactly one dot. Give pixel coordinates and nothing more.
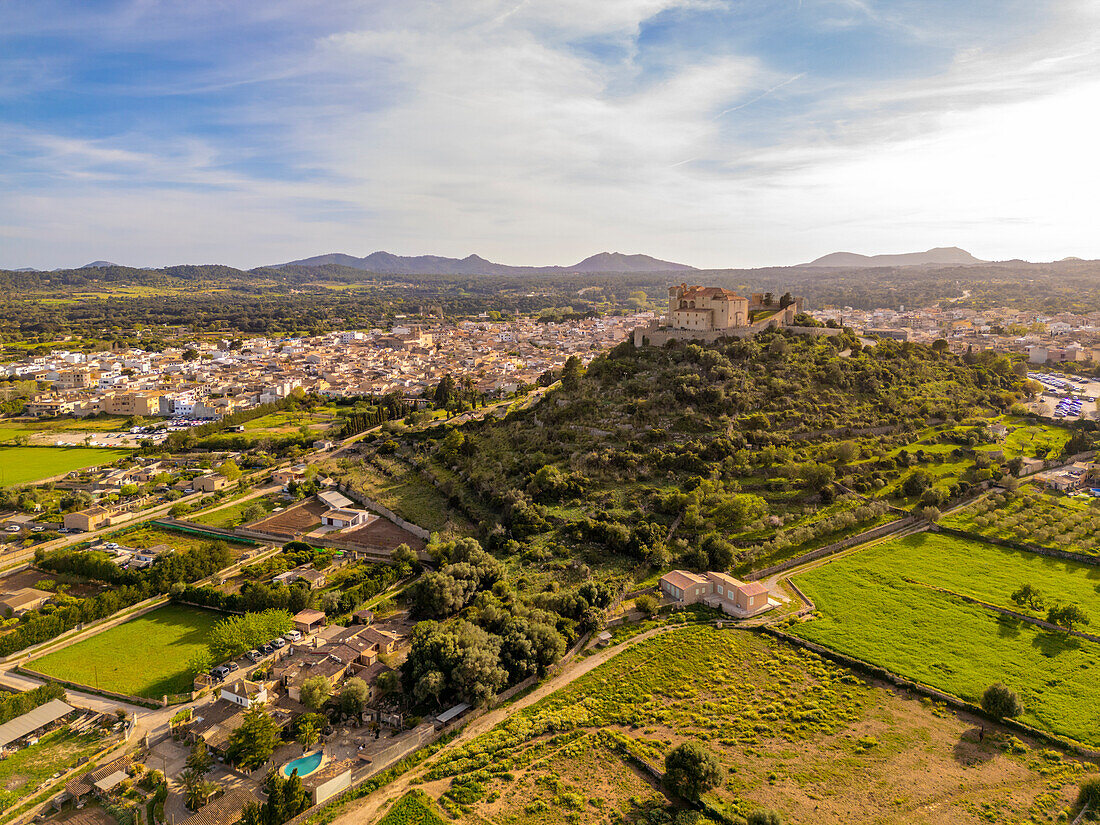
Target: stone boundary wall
(107, 694)
(1025, 547)
(371, 504)
(655, 337)
(821, 552)
(926, 690)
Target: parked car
(220, 672)
(13, 528)
(267, 649)
(293, 636)
(232, 666)
(255, 655)
(278, 644)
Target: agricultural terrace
(402, 490)
(879, 606)
(1032, 516)
(147, 656)
(27, 465)
(794, 733)
(952, 453)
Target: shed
(33, 720)
(449, 715)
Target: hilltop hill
(385, 263)
(739, 439)
(940, 256)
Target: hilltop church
(707, 313)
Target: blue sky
(540, 131)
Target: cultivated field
(1033, 516)
(146, 656)
(793, 733)
(148, 535)
(877, 605)
(26, 465)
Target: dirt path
(366, 810)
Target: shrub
(1000, 702)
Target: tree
(190, 354)
(691, 770)
(786, 301)
(308, 733)
(1028, 596)
(354, 695)
(1089, 793)
(388, 682)
(571, 373)
(255, 740)
(429, 685)
(1067, 616)
(445, 391)
(940, 346)
(197, 789)
(230, 470)
(315, 692)
(201, 661)
(200, 760)
(1000, 702)
(646, 604)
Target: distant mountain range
(940, 256)
(385, 263)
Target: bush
(1089, 793)
(765, 816)
(646, 604)
(1000, 702)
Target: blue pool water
(305, 765)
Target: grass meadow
(146, 656)
(870, 610)
(27, 465)
(792, 731)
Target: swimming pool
(305, 765)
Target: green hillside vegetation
(737, 445)
(877, 605)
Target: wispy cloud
(540, 130)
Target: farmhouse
(1065, 479)
(87, 520)
(225, 810)
(314, 578)
(145, 558)
(210, 483)
(730, 595)
(245, 693)
(307, 621)
(96, 780)
(345, 518)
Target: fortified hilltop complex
(707, 313)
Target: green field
(792, 732)
(26, 465)
(234, 515)
(869, 610)
(147, 535)
(146, 656)
(1033, 516)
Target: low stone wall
(107, 694)
(926, 690)
(657, 337)
(835, 547)
(1026, 547)
(371, 504)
